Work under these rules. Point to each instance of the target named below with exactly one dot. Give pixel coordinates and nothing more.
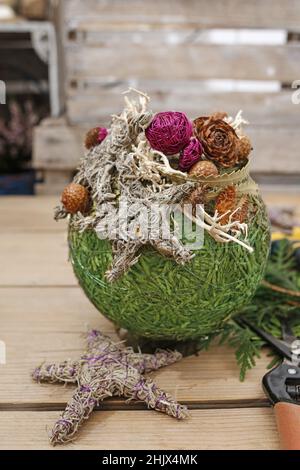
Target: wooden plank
(46, 324)
(232, 13)
(276, 150)
(35, 259)
(134, 430)
(36, 214)
(56, 145)
(188, 61)
(54, 181)
(270, 144)
(192, 97)
(115, 34)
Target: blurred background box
(30, 71)
(33, 9)
(9, 3)
(30, 9)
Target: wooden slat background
(124, 59)
(276, 148)
(261, 109)
(211, 14)
(164, 47)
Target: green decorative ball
(162, 300)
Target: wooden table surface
(42, 316)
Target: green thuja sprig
(267, 308)
(246, 344)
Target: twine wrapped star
(107, 369)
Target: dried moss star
(107, 369)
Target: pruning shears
(282, 384)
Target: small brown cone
(219, 115)
(91, 138)
(219, 140)
(244, 148)
(204, 168)
(242, 214)
(226, 201)
(75, 198)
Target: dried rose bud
(95, 136)
(204, 168)
(75, 198)
(190, 154)
(244, 148)
(219, 140)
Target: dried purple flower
(190, 155)
(169, 132)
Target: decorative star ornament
(107, 369)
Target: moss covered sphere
(162, 300)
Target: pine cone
(244, 148)
(219, 115)
(242, 214)
(75, 197)
(218, 139)
(226, 201)
(204, 168)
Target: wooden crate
(33, 9)
(174, 50)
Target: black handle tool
(282, 384)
